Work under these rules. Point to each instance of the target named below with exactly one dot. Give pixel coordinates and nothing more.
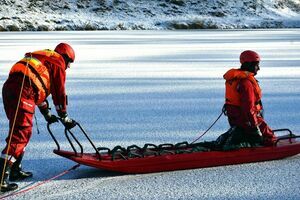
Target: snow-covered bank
(40, 15)
(136, 87)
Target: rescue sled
(169, 157)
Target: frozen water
(136, 87)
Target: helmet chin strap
(67, 61)
(68, 65)
(252, 69)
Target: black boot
(16, 173)
(5, 185)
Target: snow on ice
(136, 87)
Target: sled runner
(169, 157)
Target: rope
(41, 183)
(14, 122)
(223, 111)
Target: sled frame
(69, 132)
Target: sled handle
(76, 140)
(283, 129)
(88, 138)
(73, 136)
(52, 135)
(290, 136)
(68, 138)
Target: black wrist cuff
(62, 114)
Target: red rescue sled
(168, 157)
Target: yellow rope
(15, 118)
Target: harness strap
(37, 75)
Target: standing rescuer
(243, 104)
(31, 80)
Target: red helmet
(249, 56)
(65, 49)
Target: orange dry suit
(44, 73)
(243, 102)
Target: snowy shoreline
(36, 15)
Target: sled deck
(168, 157)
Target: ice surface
(136, 87)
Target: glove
(68, 122)
(50, 118)
(45, 110)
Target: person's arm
(58, 91)
(248, 100)
(59, 96)
(45, 110)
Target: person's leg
(268, 136)
(20, 128)
(235, 139)
(16, 173)
(20, 125)
(20, 137)
(6, 161)
(21, 134)
(5, 171)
